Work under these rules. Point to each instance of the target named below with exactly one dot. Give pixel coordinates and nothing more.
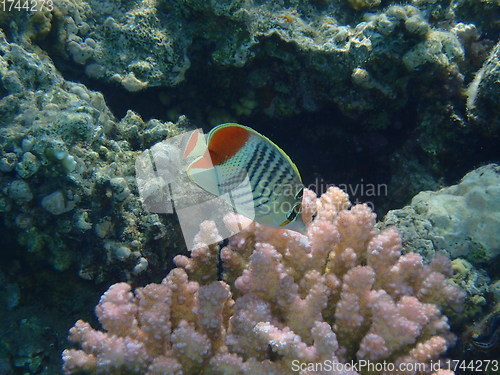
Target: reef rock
(67, 172)
(462, 219)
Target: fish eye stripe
(300, 194)
(285, 223)
(292, 215)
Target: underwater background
(396, 103)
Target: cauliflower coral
(283, 304)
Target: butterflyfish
(261, 180)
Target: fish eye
(299, 194)
(292, 215)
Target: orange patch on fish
(226, 142)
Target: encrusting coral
(67, 171)
(286, 302)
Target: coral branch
(342, 293)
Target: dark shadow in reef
(34, 328)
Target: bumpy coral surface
(326, 45)
(462, 219)
(482, 100)
(343, 292)
(67, 172)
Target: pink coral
(344, 292)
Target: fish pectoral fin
(205, 178)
